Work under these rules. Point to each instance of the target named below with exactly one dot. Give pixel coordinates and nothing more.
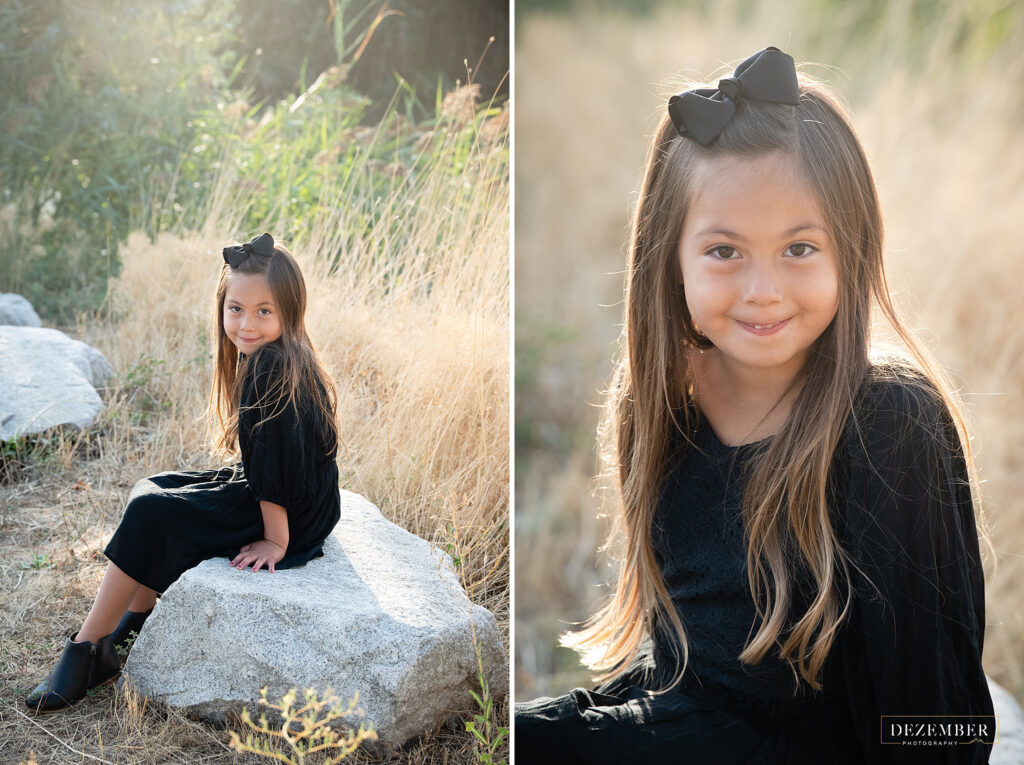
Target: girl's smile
(764, 329)
(759, 268)
(250, 314)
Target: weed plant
(299, 731)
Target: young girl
(800, 551)
(273, 405)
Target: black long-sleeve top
(285, 457)
(912, 641)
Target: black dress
(911, 644)
(174, 521)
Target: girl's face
(251, 317)
(760, 270)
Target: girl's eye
(723, 252)
(800, 250)
(234, 308)
(264, 312)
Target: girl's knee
(571, 728)
(142, 486)
(538, 727)
(139, 509)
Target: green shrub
(128, 116)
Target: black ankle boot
(81, 666)
(123, 638)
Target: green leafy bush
(129, 116)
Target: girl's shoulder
(266, 360)
(279, 373)
(266, 355)
(897, 402)
(262, 371)
(895, 385)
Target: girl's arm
(275, 525)
(271, 549)
(913, 641)
(275, 450)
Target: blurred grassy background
(139, 140)
(122, 115)
(934, 90)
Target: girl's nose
(763, 285)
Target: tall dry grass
(415, 334)
(940, 122)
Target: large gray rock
(382, 614)
(1009, 749)
(16, 310)
(47, 380)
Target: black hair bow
(261, 245)
(701, 114)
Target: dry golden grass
(941, 128)
(421, 367)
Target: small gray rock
(47, 380)
(382, 614)
(1009, 748)
(17, 311)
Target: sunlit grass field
(930, 88)
(413, 327)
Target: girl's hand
(259, 554)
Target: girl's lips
(763, 329)
(246, 340)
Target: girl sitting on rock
(273, 405)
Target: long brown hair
(785, 504)
(302, 370)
